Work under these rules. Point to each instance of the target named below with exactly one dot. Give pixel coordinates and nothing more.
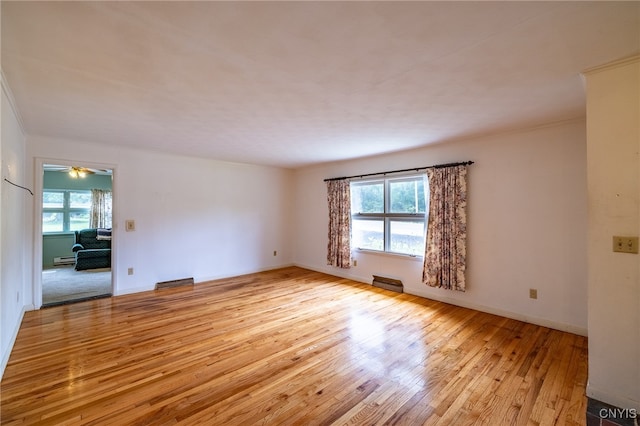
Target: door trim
(37, 221)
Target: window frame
(386, 216)
(66, 209)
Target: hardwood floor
(290, 346)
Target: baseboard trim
(611, 398)
(12, 341)
(543, 322)
(201, 280)
(336, 273)
(569, 328)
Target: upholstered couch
(91, 250)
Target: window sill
(388, 254)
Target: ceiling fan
(75, 171)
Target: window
(64, 211)
(389, 215)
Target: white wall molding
(619, 401)
(205, 280)
(14, 335)
(337, 272)
(613, 64)
(12, 101)
(504, 313)
(465, 304)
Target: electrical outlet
(355, 262)
(625, 244)
(130, 225)
(275, 253)
(533, 293)
(130, 271)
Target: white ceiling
(296, 83)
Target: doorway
(76, 222)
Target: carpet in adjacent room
(65, 284)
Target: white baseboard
(478, 307)
(569, 328)
(132, 290)
(336, 272)
(14, 335)
(199, 280)
(614, 399)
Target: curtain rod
(15, 184)
(437, 166)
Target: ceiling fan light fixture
(79, 172)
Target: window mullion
(66, 220)
(387, 208)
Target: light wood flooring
(289, 346)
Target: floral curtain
(339, 247)
(445, 253)
(100, 208)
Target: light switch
(130, 225)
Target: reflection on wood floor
(289, 346)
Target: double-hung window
(389, 215)
(64, 210)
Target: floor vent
(67, 260)
(174, 283)
(388, 283)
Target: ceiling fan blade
(52, 168)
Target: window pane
(367, 197)
(52, 221)
(367, 234)
(406, 237)
(80, 200)
(78, 220)
(407, 196)
(52, 200)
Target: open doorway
(76, 234)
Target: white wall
(613, 147)
(527, 224)
(14, 240)
(194, 217)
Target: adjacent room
(76, 260)
(320, 213)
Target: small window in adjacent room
(389, 215)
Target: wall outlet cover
(625, 244)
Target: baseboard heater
(174, 283)
(388, 283)
(66, 260)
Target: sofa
(92, 249)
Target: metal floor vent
(174, 283)
(388, 283)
